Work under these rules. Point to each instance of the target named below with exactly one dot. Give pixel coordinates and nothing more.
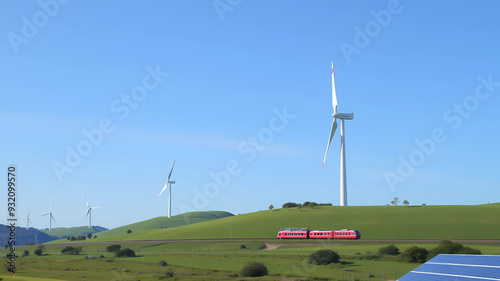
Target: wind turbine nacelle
(345, 116)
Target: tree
(73, 238)
(67, 238)
(299, 206)
(254, 269)
(313, 204)
(406, 203)
(306, 203)
(127, 252)
(395, 201)
(89, 235)
(26, 253)
(415, 254)
(70, 250)
(389, 250)
(39, 251)
(450, 247)
(271, 207)
(81, 237)
(113, 248)
(289, 204)
(324, 257)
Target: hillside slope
(374, 222)
(73, 231)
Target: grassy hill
(165, 222)
(374, 222)
(72, 231)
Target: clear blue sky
(409, 70)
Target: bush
(254, 269)
(81, 237)
(162, 263)
(242, 246)
(73, 238)
(289, 204)
(127, 252)
(39, 251)
(415, 254)
(26, 253)
(389, 250)
(324, 257)
(70, 250)
(89, 235)
(450, 247)
(129, 231)
(113, 248)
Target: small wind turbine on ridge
(28, 221)
(51, 217)
(342, 116)
(89, 212)
(169, 183)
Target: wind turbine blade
(51, 206)
(88, 205)
(46, 214)
(52, 217)
(165, 187)
(334, 94)
(332, 132)
(94, 207)
(88, 213)
(170, 174)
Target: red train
(305, 233)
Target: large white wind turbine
(342, 116)
(89, 212)
(51, 217)
(169, 183)
(28, 221)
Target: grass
(374, 222)
(218, 260)
(72, 231)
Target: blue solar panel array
(457, 268)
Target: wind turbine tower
(51, 217)
(28, 221)
(342, 116)
(89, 212)
(169, 183)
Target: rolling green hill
(165, 222)
(72, 231)
(374, 222)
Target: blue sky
(242, 90)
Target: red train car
(293, 233)
(346, 234)
(321, 234)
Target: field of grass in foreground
(218, 260)
(374, 222)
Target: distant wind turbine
(342, 117)
(169, 190)
(28, 221)
(51, 217)
(89, 212)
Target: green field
(374, 222)
(71, 231)
(222, 260)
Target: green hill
(165, 222)
(72, 231)
(374, 222)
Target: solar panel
(457, 268)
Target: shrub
(162, 263)
(89, 235)
(70, 250)
(73, 238)
(39, 251)
(289, 204)
(415, 254)
(113, 248)
(254, 269)
(26, 253)
(242, 246)
(129, 231)
(450, 247)
(324, 257)
(127, 252)
(389, 250)
(81, 237)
